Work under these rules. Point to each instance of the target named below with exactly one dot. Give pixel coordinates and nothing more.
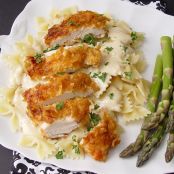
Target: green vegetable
(106, 63)
(134, 36)
(152, 102)
(76, 148)
(170, 124)
(101, 76)
(59, 154)
(51, 49)
(60, 105)
(74, 138)
(163, 106)
(38, 58)
(152, 143)
(170, 147)
(108, 49)
(90, 39)
(96, 106)
(111, 96)
(94, 120)
(128, 75)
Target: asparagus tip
(168, 156)
(127, 152)
(139, 163)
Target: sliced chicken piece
(60, 119)
(64, 60)
(76, 27)
(61, 88)
(102, 138)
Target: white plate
(152, 22)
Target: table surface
(7, 15)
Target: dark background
(9, 9)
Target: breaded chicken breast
(75, 27)
(64, 60)
(61, 88)
(102, 138)
(61, 118)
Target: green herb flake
(128, 75)
(94, 75)
(90, 39)
(38, 58)
(111, 96)
(59, 154)
(109, 49)
(106, 63)
(74, 138)
(134, 36)
(76, 148)
(52, 48)
(94, 120)
(101, 76)
(60, 105)
(96, 106)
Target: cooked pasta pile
(121, 90)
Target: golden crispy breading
(60, 86)
(82, 19)
(64, 60)
(104, 136)
(77, 109)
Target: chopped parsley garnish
(111, 96)
(59, 154)
(101, 76)
(128, 75)
(76, 148)
(134, 36)
(38, 58)
(90, 39)
(74, 138)
(108, 49)
(60, 105)
(94, 120)
(52, 48)
(96, 106)
(106, 63)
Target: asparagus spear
(152, 143)
(170, 124)
(170, 147)
(167, 88)
(170, 128)
(151, 105)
